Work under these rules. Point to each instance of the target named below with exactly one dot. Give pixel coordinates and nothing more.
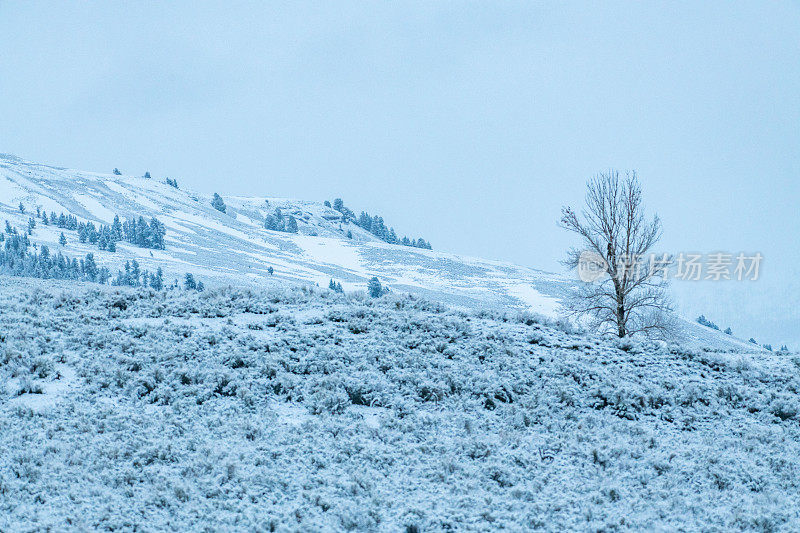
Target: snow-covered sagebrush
(309, 410)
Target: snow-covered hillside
(306, 410)
(235, 248)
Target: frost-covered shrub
(742, 365)
(785, 407)
(195, 413)
(368, 389)
(628, 344)
(731, 394)
(432, 391)
(621, 402)
(29, 386)
(530, 319)
(10, 356)
(498, 473)
(42, 367)
(357, 326)
(692, 393)
(333, 401)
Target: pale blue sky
(467, 123)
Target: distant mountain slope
(234, 247)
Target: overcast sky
(469, 124)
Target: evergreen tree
(707, 323)
(157, 233)
(124, 278)
(147, 175)
(117, 172)
(365, 221)
(374, 288)
(21, 208)
(90, 267)
(157, 281)
(275, 221)
(142, 233)
(135, 273)
(291, 225)
(335, 286)
(378, 228)
(189, 283)
(62, 240)
(116, 228)
(17, 260)
(92, 235)
(728, 331)
(271, 223)
(218, 204)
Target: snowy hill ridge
(235, 247)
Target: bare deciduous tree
(629, 295)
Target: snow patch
(93, 206)
(52, 390)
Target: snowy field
(235, 248)
(305, 410)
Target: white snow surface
(234, 248)
(299, 409)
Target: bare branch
(613, 226)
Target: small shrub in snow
(28, 386)
(784, 407)
(328, 397)
(42, 367)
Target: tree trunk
(620, 309)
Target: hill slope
(234, 247)
(304, 410)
